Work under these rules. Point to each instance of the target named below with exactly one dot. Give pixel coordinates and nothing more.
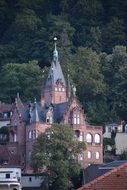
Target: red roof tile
(115, 179)
(6, 107)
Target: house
(10, 178)
(95, 170)
(5, 114)
(34, 181)
(115, 179)
(57, 105)
(120, 130)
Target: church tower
(55, 90)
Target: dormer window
(5, 115)
(49, 119)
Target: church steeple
(55, 90)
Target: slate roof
(59, 110)
(55, 73)
(115, 179)
(35, 113)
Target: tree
(123, 156)
(86, 74)
(114, 69)
(113, 34)
(23, 78)
(57, 149)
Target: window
(76, 119)
(5, 115)
(97, 155)
(15, 137)
(55, 88)
(63, 89)
(7, 176)
(30, 135)
(89, 155)
(30, 179)
(34, 134)
(97, 138)
(49, 119)
(81, 137)
(89, 138)
(59, 89)
(29, 155)
(80, 156)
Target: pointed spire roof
(34, 113)
(55, 72)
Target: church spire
(55, 52)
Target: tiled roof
(115, 179)
(6, 156)
(95, 170)
(6, 107)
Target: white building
(10, 178)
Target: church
(57, 105)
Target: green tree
(23, 78)
(84, 15)
(114, 68)
(94, 39)
(25, 36)
(86, 74)
(113, 34)
(123, 156)
(57, 149)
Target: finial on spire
(74, 91)
(55, 52)
(17, 94)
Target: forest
(92, 39)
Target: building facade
(57, 105)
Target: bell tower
(55, 90)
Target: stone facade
(56, 106)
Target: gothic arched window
(89, 154)
(97, 138)
(89, 138)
